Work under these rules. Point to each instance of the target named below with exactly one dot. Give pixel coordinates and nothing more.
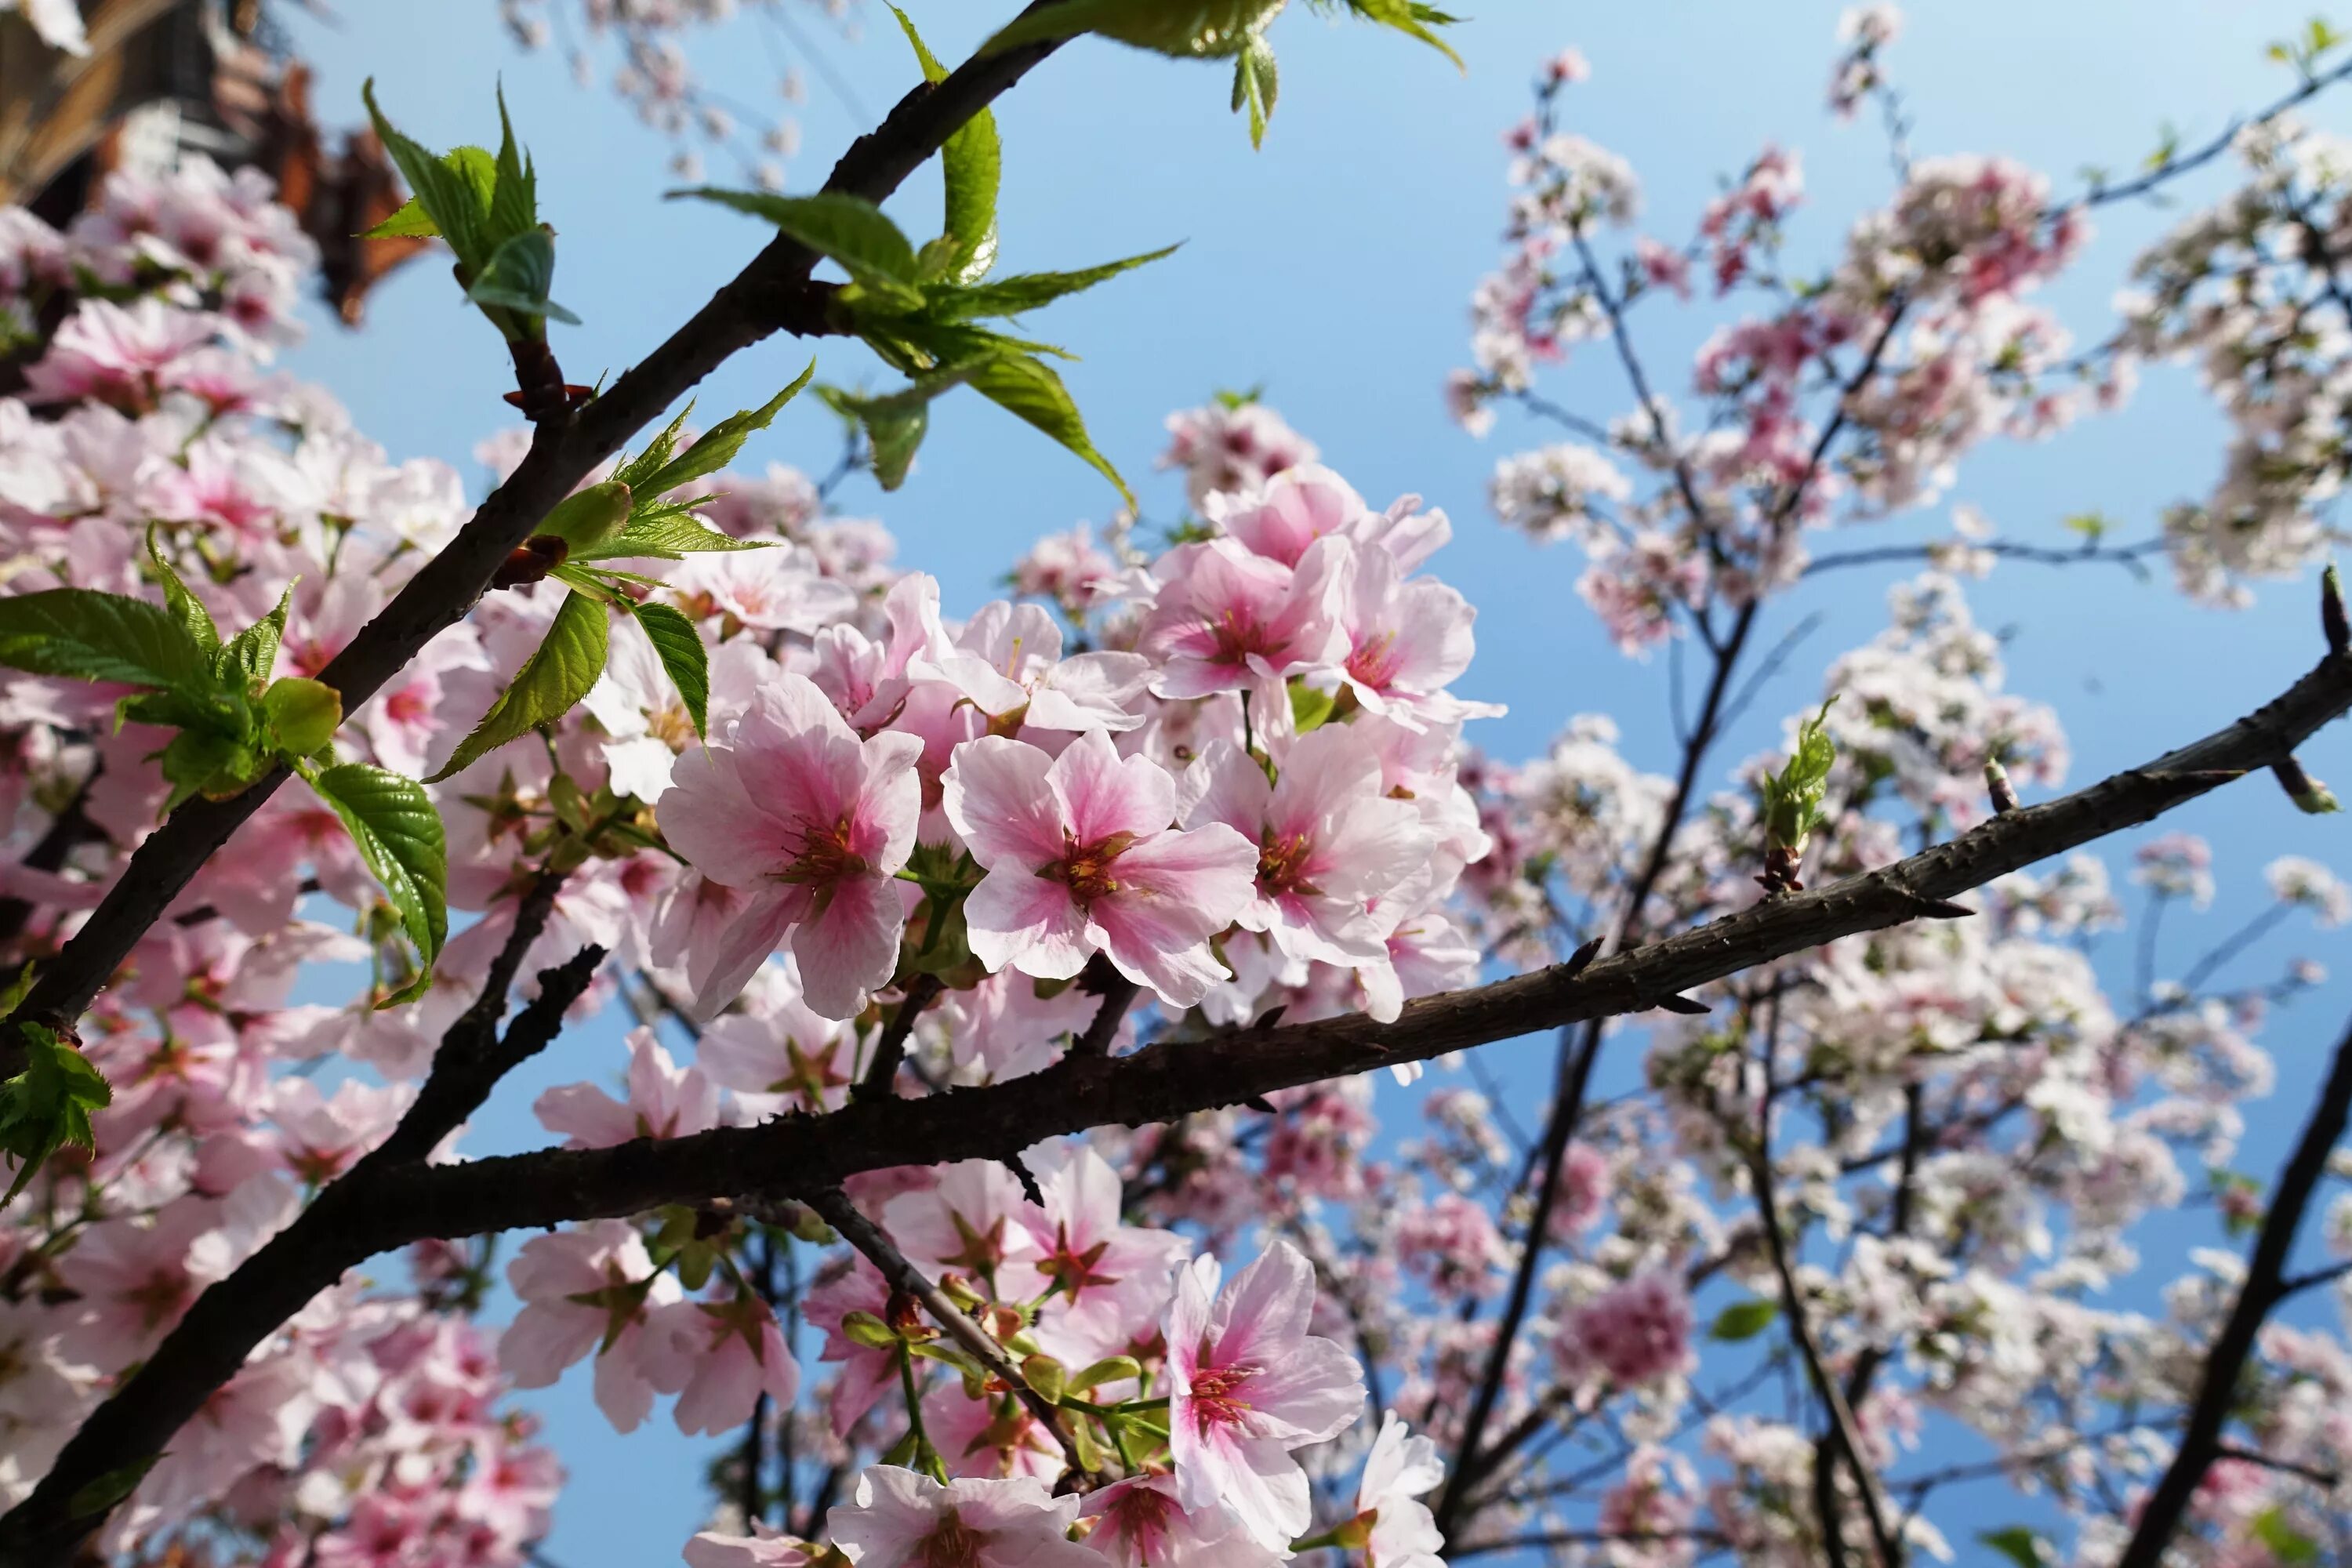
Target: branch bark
(802, 1154)
(2266, 1286)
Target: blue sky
(1333, 267)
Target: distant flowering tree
(996, 1154)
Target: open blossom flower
(1008, 661)
(1108, 1277)
(1139, 1523)
(1399, 1471)
(1229, 620)
(1082, 857)
(898, 1518)
(1329, 840)
(718, 1357)
(792, 807)
(665, 1100)
(590, 1286)
(1247, 1383)
(2297, 881)
(765, 1547)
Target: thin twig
(834, 1206)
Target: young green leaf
(1744, 1320)
(1027, 387)
(1413, 19)
(303, 715)
(1027, 291)
(556, 676)
(667, 533)
(679, 647)
(514, 192)
(185, 607)
(1197, 28)
(518, 275)
(1257, 82)
(589, 515)
(246, 659)
(451, 193)
(972, 162)
(399, 836)
(409, 221)
(852, 231)
(106, 1491)
(47, 1104)
(1793, 796)
(2282, 1540)
(90, 635)
(720, 443)
(2017, 1543)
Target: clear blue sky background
(1334, 266)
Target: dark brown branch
(1119, 994)
(208, 1345)
(2265, 1287)
(836, 1209)
(768, 293)
(890, 1050)
(1160, 1083)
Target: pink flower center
(1234, 635)
(1085, 868)
(1374, 661)
(1282, 864)
(823, 856)
(951, 1544)
(1217, 1395)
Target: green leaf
(303, 714)
(1195, 29)
(1257, 82)
(2017, 1543)
(1793, 796)
(409, 222)
(1411, 20)
(588, 517)
(13, 994)
(851, 231)
(47, 1105)
(1308, 706)
(109, 1488)
(212, 763)
(679, 647)
(668, 534)
(893, 436)
(398, 834)
(1028, 388)
(453, 192)
(246, 659)
(720, 443)
(518, 275)
(1744, 1320)
(514, 192)
(636, 470)
(2284, 1540)
(1027, 290)
(90, 635)
(185, 607)
(972, 161)
(556, 676)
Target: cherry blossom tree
(999, 1152)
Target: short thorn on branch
(2308, 794)
(2333, 622)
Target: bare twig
(2265, 1287)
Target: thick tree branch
(771, 293)
(2265, 1287)
(801, 1153)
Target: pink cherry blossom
(900, 1520)
(1247, 1383)
(793, 806)
(1228, 620)
(1081, 857)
